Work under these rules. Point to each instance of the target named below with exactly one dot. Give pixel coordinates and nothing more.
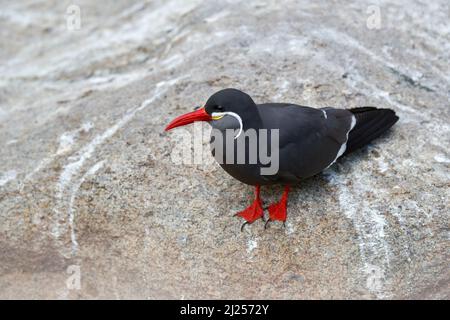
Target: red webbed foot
(254, 211)
(278, 210)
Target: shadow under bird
(309, 140)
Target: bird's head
(225, 108)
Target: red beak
(197, 115)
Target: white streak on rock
(7, 176)
(217, 16)
(3, 114)
(282, 90)
(348, 41)
(370, 227)
(66, 142)
(251, 245)
(441, 158)
(72, 169)
(387, 97)
(88, 150)
(67, 139)
(373, 90)
(10, 142)
(102, 45)
(90, 172)
(290, 229)
(383, 166)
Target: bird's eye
(219, 107)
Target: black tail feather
(371, 122)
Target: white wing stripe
(344, 145)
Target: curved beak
(197, 115)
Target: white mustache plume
(234, 115)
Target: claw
(243, 225)
(267, 223)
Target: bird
(309, 141)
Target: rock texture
(88, 179)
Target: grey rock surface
(88, 183)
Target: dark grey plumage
(310, 140)
(371, 122)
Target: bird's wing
(310, 140)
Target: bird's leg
(254, 211)
(277, 211)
